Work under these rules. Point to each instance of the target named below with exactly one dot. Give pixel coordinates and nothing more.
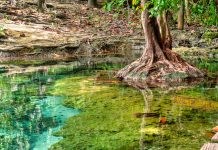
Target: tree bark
(181, 16)
(92, 3)
(157, 62)
(216, 3)
(187, 11)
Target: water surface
(81, 108)
(29, 115)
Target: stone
(210, 146)
(215, 129)
(215, 138)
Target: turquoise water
(28, 114)
(32, 110)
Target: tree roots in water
(162, 72)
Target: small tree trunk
(187, 11)
(92, 3)
(181, 16)
(216, 3)
(41, 5)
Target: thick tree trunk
(181, 16)
(92, 3)
(157, 63)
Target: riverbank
(67, 32)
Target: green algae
(107, 119)
(186, 125)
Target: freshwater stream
(72, 108)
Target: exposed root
(148, 71)
(138, 67)
(158, 64)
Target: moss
(209, 65)
(184, 123)
(107, 120)
(210, 35)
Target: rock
(215, 129)
(215, 138)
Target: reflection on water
(120, 117)
(28, 115)
(186, 118)
(113, 117)
(147, 96)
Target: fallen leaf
(215, 129)
(163, 120)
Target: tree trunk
(41, 5)
(181, 16)
(187, 11)
(157, 63)
(92, 3)
(216, 3)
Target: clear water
(116, 116)
(28, 114)
(107, 114)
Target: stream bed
(81, 108)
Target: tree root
(158, 64)
(162, 71)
